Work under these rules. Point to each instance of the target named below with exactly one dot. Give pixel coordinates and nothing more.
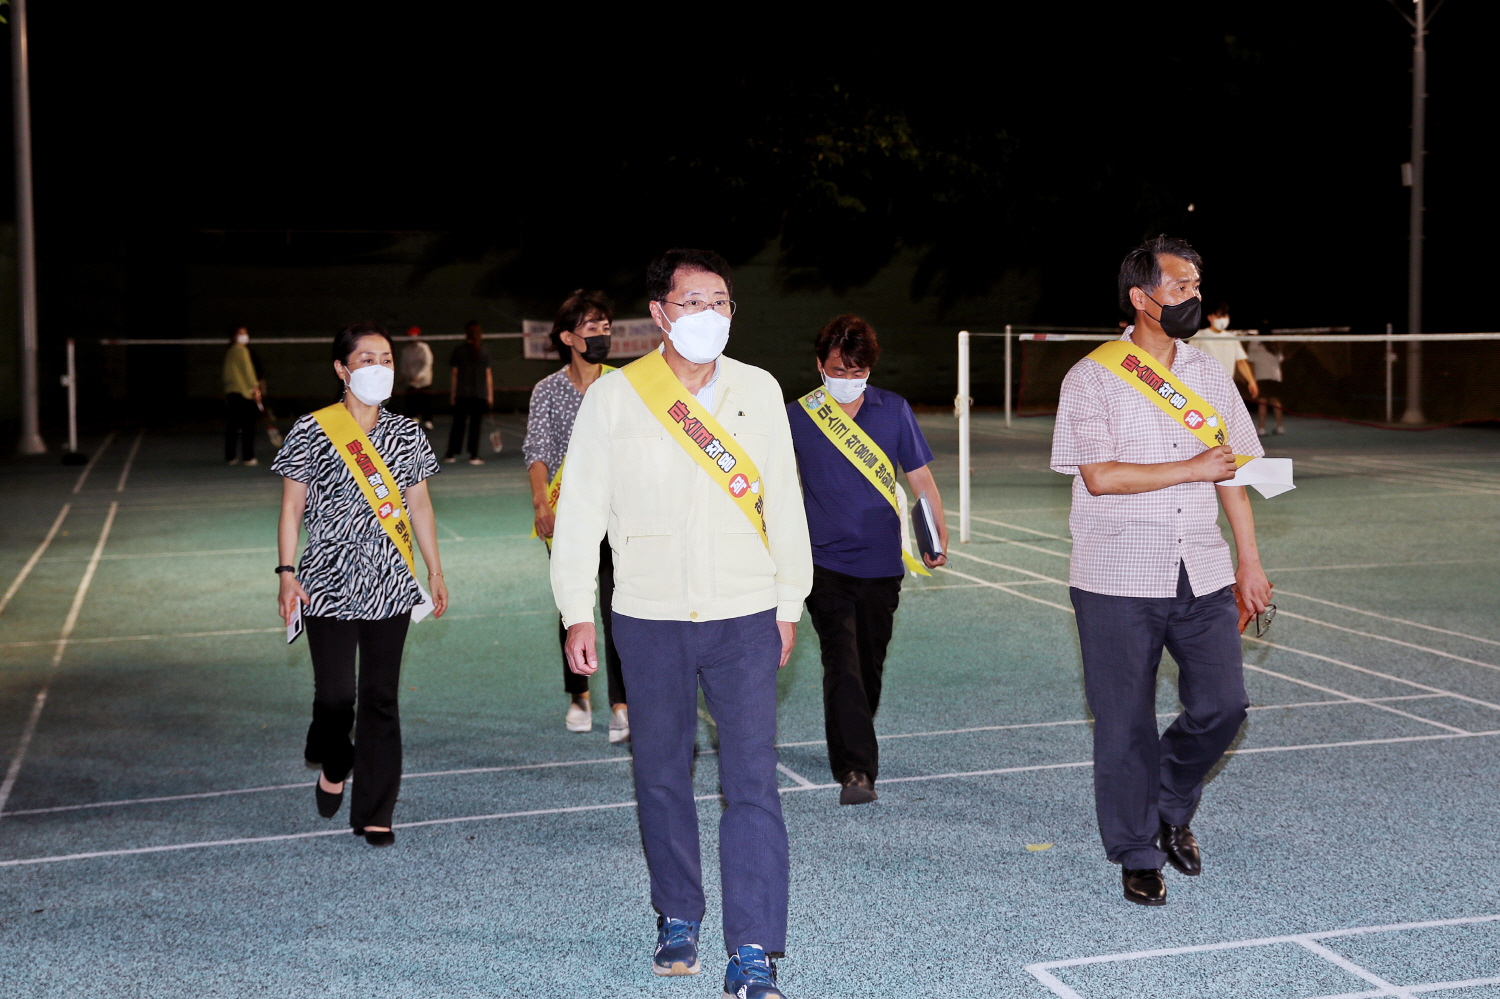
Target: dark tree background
(575, 147)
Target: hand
(788, 631)
(581, 649)
(1214, 465)
(291, 592)
(439, 594)
(1254, 391)
(545, 520)
(1253, 587)
(933, 562)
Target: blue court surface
(158, 835)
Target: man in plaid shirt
(1150, 569)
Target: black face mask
(598, 349)
(1182, 320)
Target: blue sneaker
(676, 947)
(751, 975)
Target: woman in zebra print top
(356, 591)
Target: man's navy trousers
(1141, 778)
(735, 661)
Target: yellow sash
(1171, 396)
(375, 480)
(861, 450)
(554, 488)
(700, 435)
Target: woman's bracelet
(431, 574)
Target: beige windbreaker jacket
(683, 551)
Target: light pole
(1413, 176)
(31, 438)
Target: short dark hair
(349, 337)
(576, 311)
(1222, 309)
(663, 270)
(852, 337)
(1141, 267)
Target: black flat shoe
(858, 789)
(1144, 887)
(386, 838)
(328, 803)
(1181, 848)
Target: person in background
(414, 378)
(1150, 568)
(1266, 359)
(856, 544)
(354, 585)
(685, 460)
(580, 335)
(1229, 352)
(472, 393)
(242, 395)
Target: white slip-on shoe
(579, 718)
(619, 726)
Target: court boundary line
(1042, 970)
(1387, 617)
(130, 460)
(570, 809)
(83, 476)
(18, 757)
(1393, 641)
(36, 557)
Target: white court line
(36, 557)
(1022, 544)
(128, 556)
(1041, 970)
(1387, 617)
(250, 840)
(83, 476)
(1329, 465)
(703, 752)
(1373, 672)
(1000, 586)
(130, 460)
(19, 756)
(1354, 699)
(1486, 478)
(1393, 641)
(797, 778)
(1339, 960)
(1380, 565)
(1018, 527)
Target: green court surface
(158, 835)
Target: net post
(1007, 376)
(961, 404)
(1390, 361)
(71, 380)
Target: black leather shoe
(1181, 848)
(1144, 887)
(374, 838)
(328, 803)
(858, 789)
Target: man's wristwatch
(285, 568)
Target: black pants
(1142, 778)
(470, 413)
(375, 753)
(853, 618)
(417, 404)
(575, 683)
(240, 417)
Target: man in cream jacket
(709, 586)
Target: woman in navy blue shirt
(856, 543)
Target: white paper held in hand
(294, 626)
(1268, 476)
(421, 610)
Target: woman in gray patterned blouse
(354, 586)
(580, 335)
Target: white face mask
(1220, 323)
(845, 390)
(242, 338)
(372, 384)
(700, 337)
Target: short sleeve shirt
(350, 568)
(853, 527)
(1130, 546)
(472, 367)
(549, 422)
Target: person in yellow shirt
(709, 585)
(241, 400)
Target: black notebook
(924, 528)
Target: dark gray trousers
(1141, 778)
(664, 663)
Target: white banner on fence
(628, 338)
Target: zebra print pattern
(350, 568)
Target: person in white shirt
(415, 378)
(1266, 360)
(1229, 352)
(709, 585)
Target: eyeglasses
(693, 306)
(1263, 622)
